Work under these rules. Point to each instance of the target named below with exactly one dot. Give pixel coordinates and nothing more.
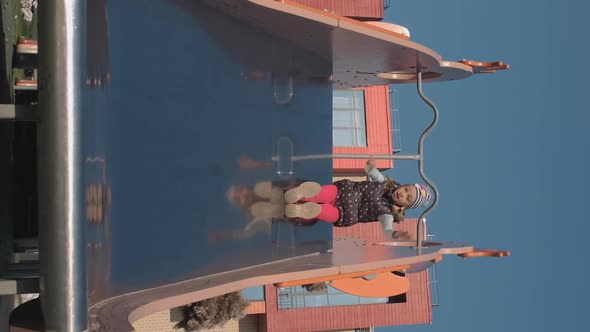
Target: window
(254, 293)
(401, 298)
(298, 297)
(349, 126)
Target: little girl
(345, 203)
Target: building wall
(417, 309)
(164, 321)
(360, 9)
(379, 138)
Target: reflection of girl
(263, 203)
(345, 203)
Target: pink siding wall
(417, 309)
(379, 141)
(363, 9)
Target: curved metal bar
(422, 219)
(288, 96)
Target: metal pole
(60, 167)
(422, 219)
(352, 156)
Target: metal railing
(434, 281)
(396, 136)
(422, 219)
(291, 297)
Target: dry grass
(212, 312)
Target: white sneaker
(304, 190)
(308, 210)
(267, 210)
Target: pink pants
(325, 198)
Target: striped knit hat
(423, 196)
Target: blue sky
(509, 158)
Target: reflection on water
(190, 91)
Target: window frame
(359, 112)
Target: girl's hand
(401, 235)
(370, 164)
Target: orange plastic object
(249, 163)
(254, 75)
(256, 307)
(25, 82)
(383, 285)
(485, 67)
(340, 276)
(26, 41)
(485, 253)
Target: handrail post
(422, 219)
(60, 170)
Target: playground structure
(101, 146)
